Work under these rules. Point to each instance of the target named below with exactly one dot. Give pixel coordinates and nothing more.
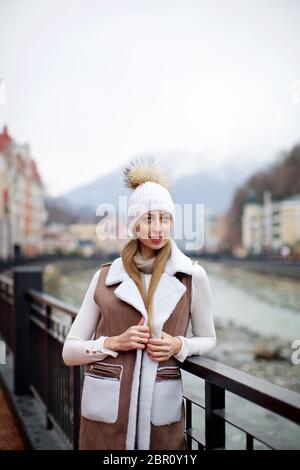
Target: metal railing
(219, 379)
(7, 320)
(31, 322)
(34, 325)
(55, 385)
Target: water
(265, 304)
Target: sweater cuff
(105, 350)
(182, 354)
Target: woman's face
(154, 229)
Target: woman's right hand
(135, 337)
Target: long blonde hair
(162, 256)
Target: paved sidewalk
(30, 418)
(10, 437)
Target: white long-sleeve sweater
(80, 347)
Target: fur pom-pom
(142, 170)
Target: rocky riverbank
(269, 358)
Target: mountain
(281, 178)
(214, 188)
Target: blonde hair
(162, 256)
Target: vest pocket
(167, 396)
(101, 392)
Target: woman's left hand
(162, 349)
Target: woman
(137, 310)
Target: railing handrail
(6, 280)
(52, 302)
(272, 397)
(219, 378)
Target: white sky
(92, 83)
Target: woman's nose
(155, 227)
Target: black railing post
(76, 376)
(47, 365)
(24, 277)
(189, 424)
(214, 426)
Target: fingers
(157, 342)
(157, 349)
(138, 339)
(141, 334)
(159, 356)
(140, 326)
(140, 331)
(159, 359)
(138, 345)
(153, 348)
(141, 323)
(165, 338)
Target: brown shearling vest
(107, 386)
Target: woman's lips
(156, 241)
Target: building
(211, 233)
(271, 226)
(22, 208)
(85, 239)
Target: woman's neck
(146, 252)
(142, 263)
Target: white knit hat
(150, 191)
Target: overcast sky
(90, 84)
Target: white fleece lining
(128, 292)
(132, 418)
(167, 294)
(163, 306)
(101, 397)
(145, 370)
(164, 391)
